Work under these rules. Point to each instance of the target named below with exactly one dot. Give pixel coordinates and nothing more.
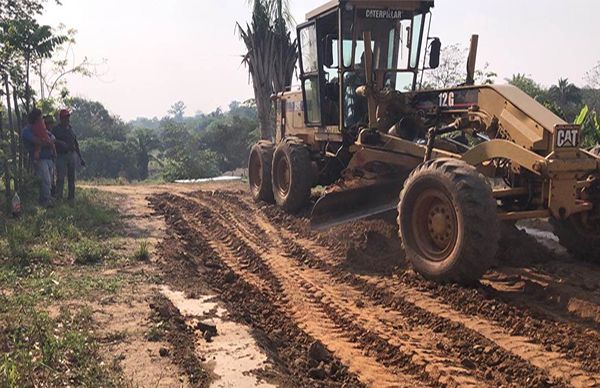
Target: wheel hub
(440, 227)
(435, 225)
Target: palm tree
(271, 56)
(567, 97)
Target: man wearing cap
(68, 155)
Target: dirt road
(534, 321)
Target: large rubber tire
(448, 222)
(259, 171)
(292, 175)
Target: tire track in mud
(423, 352)
(555, 363)
(334, 292)
(542, 356)
(560, 365)
(299, 301)
(283, 340)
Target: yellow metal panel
(529, 106)
(521, 117)
(505, 149)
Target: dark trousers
(65, 167)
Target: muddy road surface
(343, 308)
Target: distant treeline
(173, 147)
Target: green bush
(91, 252)
(107, 159)
(197, 165)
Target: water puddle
(233, 355)
(215, 179)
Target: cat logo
(567, 136)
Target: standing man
(44, 165)
(68, 156)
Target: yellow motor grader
(455, 163)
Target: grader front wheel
(448, 222)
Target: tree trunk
(27, 88)
(19, 151)
(4, 162)
(265, 122)
(10, 129)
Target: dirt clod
(318, 352)
(317, 373)
(164, 352)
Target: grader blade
(340, 207)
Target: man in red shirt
(68, 155)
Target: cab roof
(408, 5)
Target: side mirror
(434, 54)
(329, 54)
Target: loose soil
(343, 308)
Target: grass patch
(88, 252)
(38, 350)
(143, 252)
(35, 348)
(156, 333)
(41, 232)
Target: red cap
(64, 113)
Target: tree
(142, 141)
(230, 138)
(453, 70)
(182, 156)
(177, 111)
(34, 42)
(11, 9)
(107, 159)
(271, 56)
(52, 72)
(567, 97)
(201, 164)
(592, 77)
(22, 42)
(565, 92)
(91, 119)
(528, 85)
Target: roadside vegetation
(51, 269)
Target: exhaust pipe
(471, 63)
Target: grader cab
(455, 163)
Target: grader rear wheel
(259, 172)
(448, 222)
(292, 175)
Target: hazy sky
(159, 52)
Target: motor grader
(455, 162)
